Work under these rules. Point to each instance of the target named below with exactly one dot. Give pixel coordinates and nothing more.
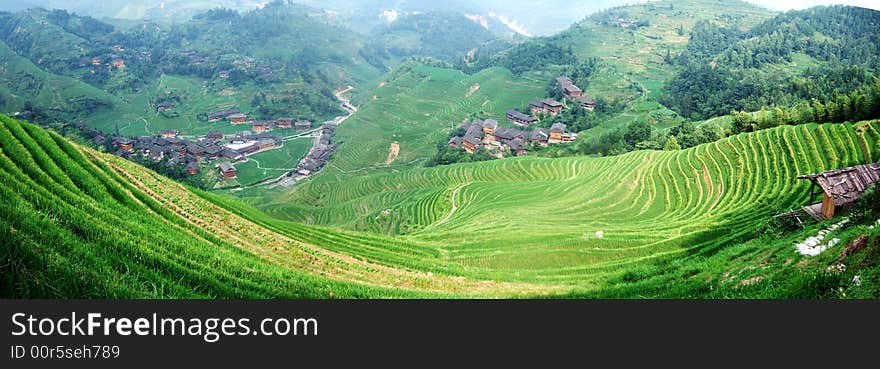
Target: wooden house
(163, 106)
(285, 122)
(302, 125)
(228, 170)
(572, 91)
(586, 103)
(237, 118)
(536, 107)
(552, 106)
(517, 145)
(215, 135)
(840, 188)
(169, 133)
(261, 126)
(118, 63)
(489, 126)
(557, 130)
(192, 168)
(125, 144)
(266, 144)
(520, 118)
(223, 74)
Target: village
(497, 140)
(215, 145)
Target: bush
(867, 209)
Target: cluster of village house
(110, 61)
(319, 154)
(214, 145)
(487, 134)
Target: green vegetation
(446, 36)
(145, 236)
(707, 111)
(821, 53)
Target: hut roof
(846, 185)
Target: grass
(78, 223)
(649, 205)
(273, 163)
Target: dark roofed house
(231, 154)
(489, 126)
(215, 135)
(195, 149)
(556, 132)
(228, 170)
(473, 138)
(506, 134)
(840, 188)
(454, 142)
(553, 106)
(586, 103)
(261, 126)
(520, 118)
(302, 125)
(572, 91)
(536, 107)
(517, 146)
(285, 122)
(125, 144)
(564, 81)
(163, 106)
(213, 152)
(223, 74)
(540, 136)
(237, 118)
(215, 116)
(192, 168)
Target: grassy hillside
(282, 62)
(23, 83)
(632, 68)
(646, 204)
(415, 106)
(77, 223)
(84, 224)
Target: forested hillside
(819, 54)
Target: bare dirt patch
(473, 89)
(393, 152)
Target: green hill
(447, 36)
(24, 86)
(77, 223)
(793, 58)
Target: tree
(742, 122)
(819, 112)
(671, 144)
(781, 116)
(636, 132)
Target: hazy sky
(801, 4)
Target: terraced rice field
(78, 223)
(81, 223)
(534, 219)
(416, 107)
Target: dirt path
(393, 152)
(454, 205)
